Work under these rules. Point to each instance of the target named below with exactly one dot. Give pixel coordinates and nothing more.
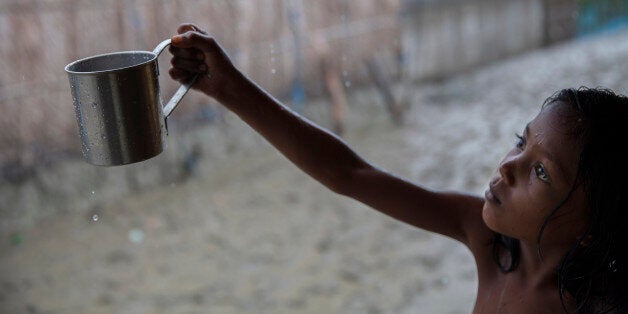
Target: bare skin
(530, 181)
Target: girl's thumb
(180, 41)
(186, 40)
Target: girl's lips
(490, 196)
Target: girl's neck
(539, 272)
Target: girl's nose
(507, 169)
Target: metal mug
(118, 106)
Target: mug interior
(110, 62)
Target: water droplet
(95, 217)
(93, 192)
(273, 71)
(347, 84)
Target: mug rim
(76, 62)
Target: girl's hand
(195, 52)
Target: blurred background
(433, 91)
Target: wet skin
(531, 181)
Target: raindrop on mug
(95, 217)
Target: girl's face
(533, 179)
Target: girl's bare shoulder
(478, 237)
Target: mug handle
(183, 89)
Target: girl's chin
(495, 224)
(489, 217)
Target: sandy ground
(254, 235)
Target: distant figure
(548, 236)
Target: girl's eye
(539, 170)
(521, 142)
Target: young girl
(546, 237)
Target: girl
(546, 236)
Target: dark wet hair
(594, 272)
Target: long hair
(594, 271)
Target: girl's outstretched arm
(319, 153)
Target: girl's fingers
(186, 27)
(187, 53)
(193, 39)
(188, 59)
(189, 65)
(179, 75)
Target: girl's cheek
(532, 177)
(542, 196)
